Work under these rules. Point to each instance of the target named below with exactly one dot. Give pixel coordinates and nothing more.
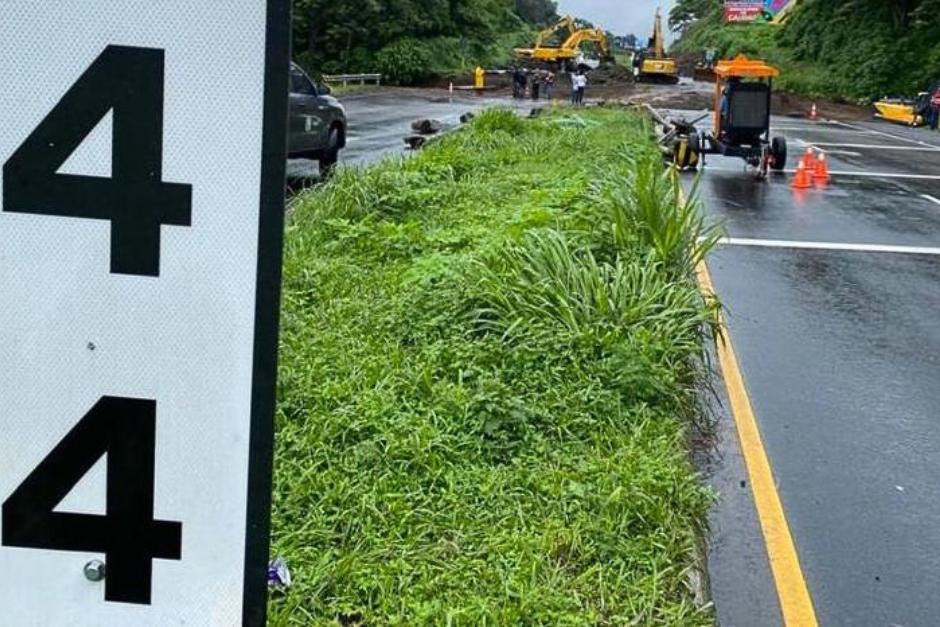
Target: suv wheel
(331, 155)
(778, 152)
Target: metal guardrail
(345, 79)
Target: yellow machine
(705, 69)
(569, 52)
(652, 64)
(901, 111)
(567, 23)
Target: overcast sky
(621, 17)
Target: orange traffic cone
(821, 171)
(803, 179)
(809, 159)
(812, 112)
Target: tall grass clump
(650, 210)
(543, 282)
(488, 369)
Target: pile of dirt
(687, 62)
(611, 74)
(792, 105)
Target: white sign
(142, 147)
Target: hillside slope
(409, 40)
(851, 49)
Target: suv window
(300, 84)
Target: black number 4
(129, 82)
(125, 430)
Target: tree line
(854, 49)
(409, 40)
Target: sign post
(143, 153)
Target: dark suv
(317, 122)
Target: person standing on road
(549, 84)
(933, 108)
(578, 86)
(518, 83)
(536, 84)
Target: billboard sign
(744, 11)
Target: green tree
(854, 49)
(537, 12)
(686, 12)
(354, 35)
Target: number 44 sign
(142, 151)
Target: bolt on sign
(142, 147)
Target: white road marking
(932, 199)
(813, 127)
(871, 146)
(880, 175)
(886, 134)
(844, 153)
(887, 175)
(796, 244)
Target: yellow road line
(795, 601)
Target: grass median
(489, 362)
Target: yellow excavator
(652, 64)
(568, 53)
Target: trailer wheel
(695, 143)
(778, 154)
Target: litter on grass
(278, 574)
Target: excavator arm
(657, 43)
(594, 35)
(567, 22)
(569, 49)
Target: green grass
(489, 363)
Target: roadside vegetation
(489, 363)
(411, 41)
(857, 50)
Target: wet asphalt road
(840, 352)
(379, 120)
